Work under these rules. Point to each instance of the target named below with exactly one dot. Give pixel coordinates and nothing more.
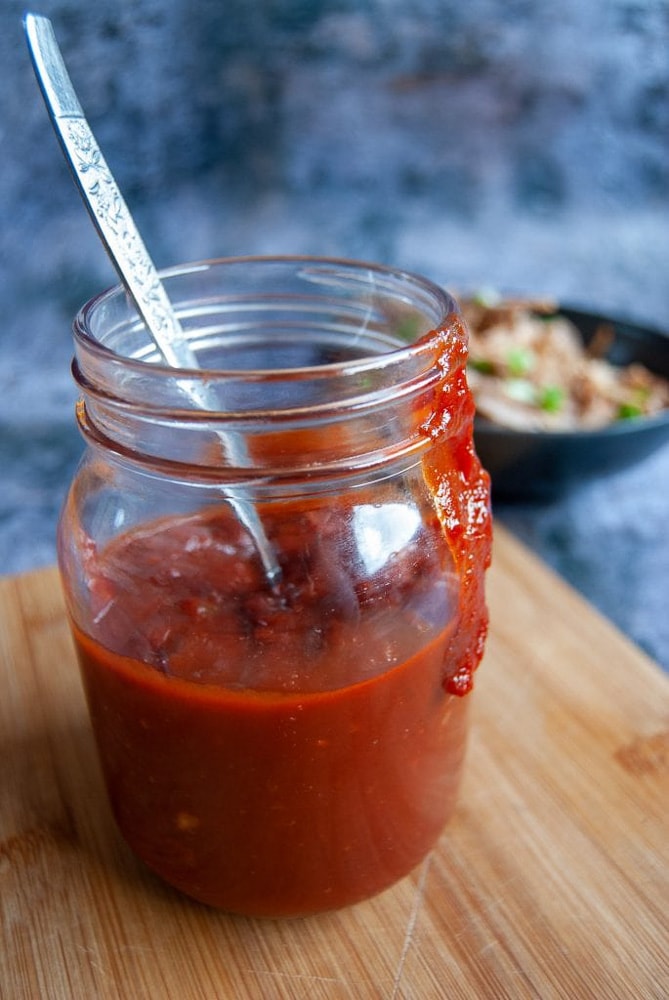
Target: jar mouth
(393, 312)
(305, 363)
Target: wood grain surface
(551, 880)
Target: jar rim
(387, 347)
(442, 303)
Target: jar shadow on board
(281, 746)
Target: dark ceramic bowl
(529, 465)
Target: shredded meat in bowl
(530, 370)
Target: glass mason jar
(273, 566)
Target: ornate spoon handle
(102, 197)
(123, 243)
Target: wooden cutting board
(551, 881)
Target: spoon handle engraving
(125, 247)
(102, 197)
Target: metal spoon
(124, 244)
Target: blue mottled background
(519, 145)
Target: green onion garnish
(551, 398)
